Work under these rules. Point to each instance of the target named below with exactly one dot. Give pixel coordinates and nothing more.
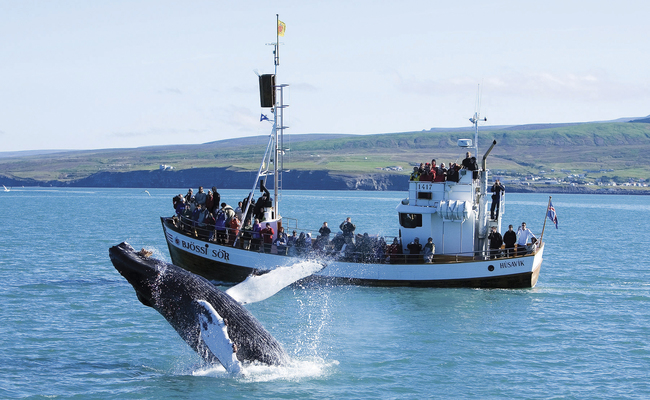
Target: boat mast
(476, 118)
(278, 120)
(276, 62)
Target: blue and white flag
(551, 214)
(263, 118)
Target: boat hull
(229, 264)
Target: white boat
(454, 214)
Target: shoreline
(292, 180)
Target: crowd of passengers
(431, 172)
(204, 215)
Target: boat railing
(365, 250)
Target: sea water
(72, 327)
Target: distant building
(164, 167)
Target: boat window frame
(414, 221)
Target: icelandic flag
(263, 118)
(551, 214)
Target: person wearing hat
(495, 243)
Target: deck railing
(363, 251)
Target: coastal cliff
(291, 180)
(225, 178)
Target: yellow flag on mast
(281, 28)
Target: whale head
(138, 269)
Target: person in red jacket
(267, 237)
(233, 231)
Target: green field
(555, 149)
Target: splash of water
(256, 372)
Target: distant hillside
(557, 149)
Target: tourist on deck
(469, 162)
(282, 241)
(200, 197)
(347, 227)
(177, 199)
(256, 236)
(429, 250)
(324, 232)
(415, 248)
(239, 211)
(524, 235)
(496, 241)
(427, 175)
(291, 243)
(228, 211)
(443, 169)
(209, 201)
(381, 249)
(393, 250)
(496, 190)
(267, 237)
(247, 235)
(441, 173)
(415, 175)
(220, 227)
(509, 239)
(189, 197)
(364, 248)
(452, 173)
(197, 214)
(180, 206)
(233, 231)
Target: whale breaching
(212, 322)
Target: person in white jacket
(524, 235)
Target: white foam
(260, 287)
(256, 372)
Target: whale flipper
(259, 287)
(214, 334)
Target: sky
(78, 74)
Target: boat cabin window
(407, 220)
(424, 195)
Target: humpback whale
(212, 322)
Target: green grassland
(622, 147)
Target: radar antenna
(477, 118)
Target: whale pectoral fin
(259, 287)
(214, 334)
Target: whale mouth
(136, 269)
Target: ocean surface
(71, 326)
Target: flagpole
(545, 218)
